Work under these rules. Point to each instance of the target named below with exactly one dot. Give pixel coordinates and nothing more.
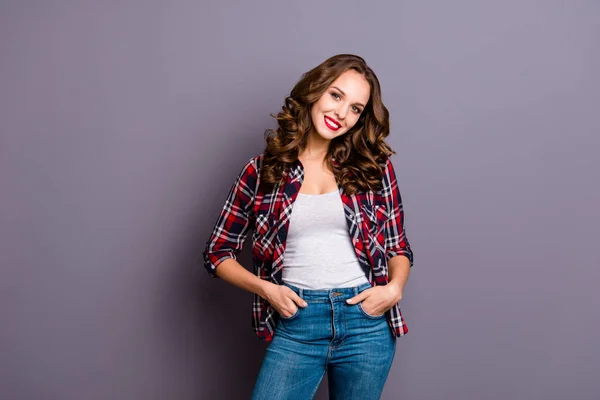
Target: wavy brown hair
(359, 153)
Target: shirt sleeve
(396, 242)
(231, 228)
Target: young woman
(330, 253)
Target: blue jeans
(354, 348)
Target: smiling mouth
(332, 124)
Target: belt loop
(300, 293)
(355, 290)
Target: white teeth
(333, 123)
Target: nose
(341, 111)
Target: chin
(326, 133)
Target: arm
(228, 237)
(398, 252)
(231, 228)
(398, 271)
(396, 242)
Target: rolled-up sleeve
(231, 228)
(396, 242)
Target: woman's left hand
(378, 299)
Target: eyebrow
(342, 92)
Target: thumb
(358, 298)
(298, 300)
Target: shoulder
(251, 168)
(387, 164)
(388, 178)
(388, 169)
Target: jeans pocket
(291, 317)
(366, 314)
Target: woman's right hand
(283, 299)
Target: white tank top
(319, 253)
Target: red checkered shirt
(375, 224)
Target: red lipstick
(332, 124)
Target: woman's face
(339, 108)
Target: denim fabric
(354, 348)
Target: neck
(316, 146)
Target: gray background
(124, 123)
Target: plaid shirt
(375, 224)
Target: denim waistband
(325, 294)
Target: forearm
(398, 271)
(233, 272)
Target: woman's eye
(335, 96)
(356, 110)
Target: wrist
(396, 289)
(263, 288)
